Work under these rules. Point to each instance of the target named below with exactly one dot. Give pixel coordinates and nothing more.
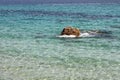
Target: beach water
(31, 50)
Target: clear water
(30, 50)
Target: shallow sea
(30, 50)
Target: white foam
(66, 36)
(73, 36)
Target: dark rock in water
(71, 31)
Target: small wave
(73, 36)
(88, 34)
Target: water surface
(30, 50)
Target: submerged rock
(71, 31)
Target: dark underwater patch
(31, 19)
(58, 13)
(115, 26)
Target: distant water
(31, 50)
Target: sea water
(31, 50)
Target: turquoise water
(30, 50)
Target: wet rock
(71, 31)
